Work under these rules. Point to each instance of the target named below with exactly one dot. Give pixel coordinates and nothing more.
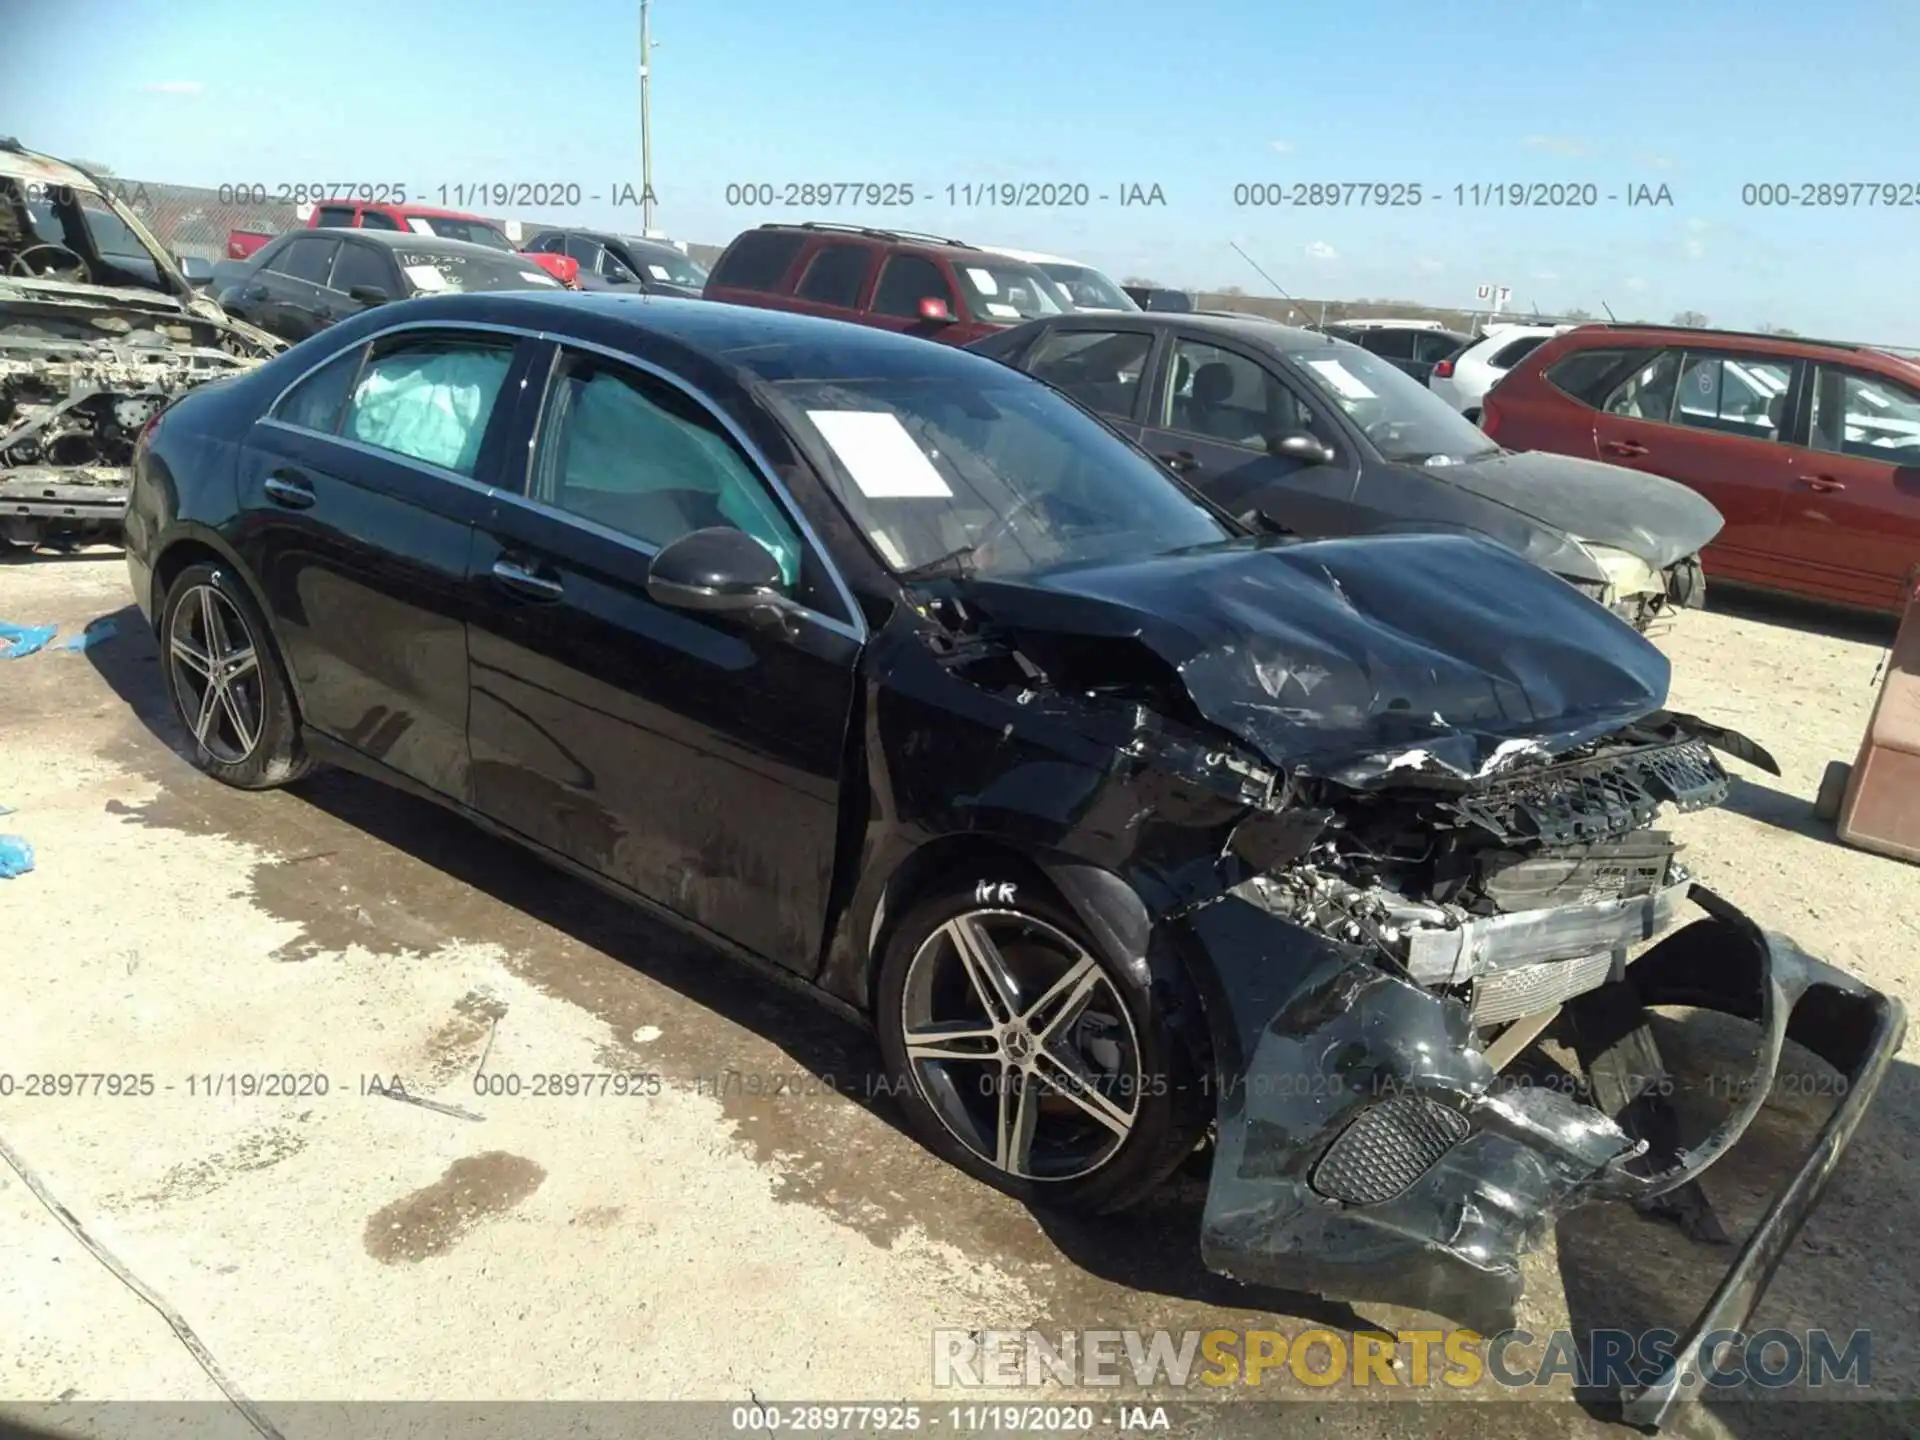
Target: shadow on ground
(1837, 622)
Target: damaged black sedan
(1135, 836)
(99, 330)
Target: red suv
(1809, 448)
(945, 290)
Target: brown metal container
(1880, 807)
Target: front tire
(1026, 1056)
(226, 682)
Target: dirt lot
(772, 1234)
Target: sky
(1706, 98)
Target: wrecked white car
(99, 330)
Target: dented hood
(1362, 660)
(1649, 516)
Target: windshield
(1404, 420)
(430, 272)
(70, 234)
(667, 265)
(1088, 289)
(474, 232)
(1009, 290)
(996, 477)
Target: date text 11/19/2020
(1480, 195)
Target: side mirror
(198, 271)
(1298, 445)
(720, 571)
(935, 309)
(368, 294)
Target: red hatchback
(944, 290)
(1810, 449)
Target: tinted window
(361, 265)
(1228, 397)
(1393, 344)
(1099, 368)
(338, 216)
(907, 280)
(314, 404)
(580, 248)
(378, 220)
(1508, 356)
(1437, 345)
(1647, 394)
(305, 260)
(836, 275)
(1734, 394)
(758, 259)
(614, 266)
(1005, 469)
(1866, 415)
(429, 399)
(1585, 373)
(638, 457)
(474, 232)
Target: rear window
(1509, 356)
(757, 260)
(474, 232)
(1585, 374)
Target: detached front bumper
(1368, 1151)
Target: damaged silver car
(1135, 837)
(99, 330)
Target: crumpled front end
(1388, 1129)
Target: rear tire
(1062, 1082)
(226, 682)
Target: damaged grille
(1635, 864)
(1391, 1145)
(1595, 799)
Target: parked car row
(413, 220)
(1140, 838)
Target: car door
(1214, 409)
(1103, 369)
(905, 281)
(694, 759)
(1712, 420)
(358, 494)
(359, 266)
(293, 301)
(835, 279)
(1851, 516)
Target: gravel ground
(770, 1235)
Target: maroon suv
(945, 290)
(1809, 448)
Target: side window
(1865, 415)
(1436, 346)
(361, 265)
(836, 275)
(1508, 356)
(1099, 368)
(315, 403)
(614, 267)
(378, 220)
(306, 260)
(1734, 394)
(637, 456)
(1585, 373)
(1647, 394)
(1390, 344)
(757, 260)
(1228, 397)
(907, 280)
(586, 251)
(429, 399)
(548, 244)
(336, 216)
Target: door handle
(1628, 448)
(1823, 483)
(519, 578)
(1181, 461)
(287, 491)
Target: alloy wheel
(216, 674)
(1021, 1045)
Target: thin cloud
(1546, 275)
(1653, 162)
(1284, 147)
(1321, 250)
(1634, 282)
(1429, 267)
(174, 87)
(1557, 144)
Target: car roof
(1034, 257)
(1803, 346)
(403, 240)
(425, 212)
(913, 238)
(770, 344)
(19, 163)
(1251, 329)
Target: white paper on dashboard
(1343, 379)
(418, 225)
(659, 272)
(983, 279)
(425, 277)
(1010, 312)
(880, 455)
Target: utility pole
(646, 122)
